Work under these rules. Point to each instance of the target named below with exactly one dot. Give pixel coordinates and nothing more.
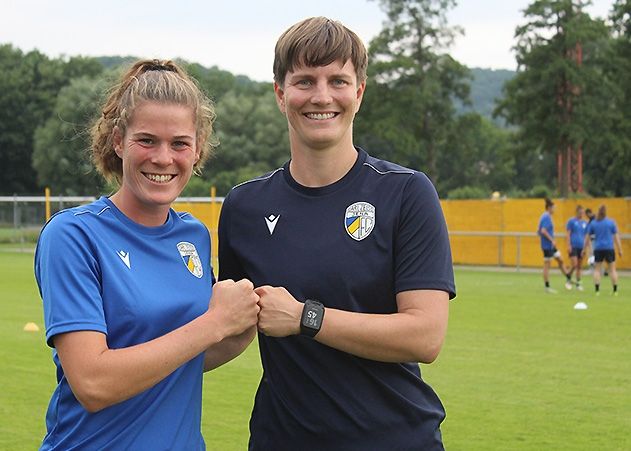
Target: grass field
(520, 370)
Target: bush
(468, 192)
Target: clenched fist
(235, 306)
(280, 312)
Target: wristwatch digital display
(311, 320)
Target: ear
(117, 139)
(360, 94)
(280, 97)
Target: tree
(609, 169)
(485, 157)
(253, 138)
(408, 107)
(61, 144)
(29, 84)
(556, 98)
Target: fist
(235, 305)
(280, 312)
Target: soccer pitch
(520, 370)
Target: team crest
(359, 220)
(191, 258)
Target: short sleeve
(68, 276)
(422, 250)
(614, 227)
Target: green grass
(520, 370)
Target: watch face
(313, 318)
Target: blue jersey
(576, 230)
(352, 245)
(603, 231)
(99, 271)
(545, 222)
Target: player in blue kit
(549, 248)
(129, 303)
(605, 235)
(576, 228)
(352, 263)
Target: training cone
(580, 306)
(31, 327)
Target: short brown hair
(318, 41)
(149, 80)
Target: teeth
(159, 178)
(320, 116)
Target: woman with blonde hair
(131, 308)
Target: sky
(237, 35)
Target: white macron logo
(125, 257)
(271, 221)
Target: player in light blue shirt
(129, 303)
(576, 228)
(605, 235)
(545, 231)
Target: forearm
(102, 377)
(397, 337)
(226, 350)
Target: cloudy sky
(235, 35)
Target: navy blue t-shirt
(352, 245)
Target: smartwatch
(311, 319)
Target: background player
(576, 227)
(605, 234)
(549, 248)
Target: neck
(146, 215)
(315, 168)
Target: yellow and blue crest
(359, 220)
(191, 259)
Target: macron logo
(125, 257)
(271, 221)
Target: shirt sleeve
(68, 277)
(422, 250)
(229, 266)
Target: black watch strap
(311, 319)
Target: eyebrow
(138, 134)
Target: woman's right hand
(234, 305)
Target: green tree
(253, 139)
(481, 157)
(29, 84)
(609, 168)
(408, 106)
(61, 144)
(557, 97)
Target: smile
(320, 116)
(159, 178)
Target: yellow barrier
(487, 232)
(517, 221)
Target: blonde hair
(149, 80)
(318, 41)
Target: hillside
(486, 87)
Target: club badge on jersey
(359, 220)
(191, 259)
